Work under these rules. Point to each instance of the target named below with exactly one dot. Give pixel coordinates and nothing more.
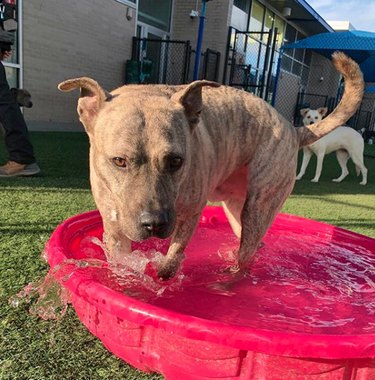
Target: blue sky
(361, 13)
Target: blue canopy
(357, 44)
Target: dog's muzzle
(156, 223)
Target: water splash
(134, 274)
(52, 298)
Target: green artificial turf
(31, 208)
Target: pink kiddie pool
(305, 310)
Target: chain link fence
(308, 80)
(159, 61)
(298, 79)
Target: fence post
(185, 75)
(277, 77)
(269, 76)
(265, 66)
(202, 18)
(226, 58)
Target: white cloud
(361, 13)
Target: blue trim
(198, 50)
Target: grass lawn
(31, 208)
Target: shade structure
(357, 44)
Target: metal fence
(250, 63)
(168, 62)
(250, 60)
(305, 85)
(158, 61)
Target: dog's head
(313, 116)
(22, 97)
(140, 152)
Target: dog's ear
(191, 99)
(91, 99)
(323, 111)
(304, 111)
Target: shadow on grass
(337, 202)
(11, 229)
(62, 157)
(351, 224)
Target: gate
(158, 61)
(250, 57)
(168, 62)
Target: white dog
(346, 141)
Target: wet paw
(167, 271)
(232, 269)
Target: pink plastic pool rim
(306, 309)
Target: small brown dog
(158, 152)
(23, 98)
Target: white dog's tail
(348, 105)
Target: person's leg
(16, 137)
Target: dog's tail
(348, 105)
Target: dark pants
(16, 138)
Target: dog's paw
(234, 269)
(336, 180)
(298, 177)
(167, 270)
(315, 180)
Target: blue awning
(359, 45)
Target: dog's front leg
(264, 200)
(319, 166)
(305, 162)
(183, 232)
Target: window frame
(130, 3)
(19, 64)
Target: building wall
(218, 15)
(66, 39)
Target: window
(12, 76)
(280, 25)
(296, 61)
(12, 64)
(244, 5)
(257, 16)
(158, 16)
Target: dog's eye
(174, 163)
(316, 117)
(308, 116)
(120, 162)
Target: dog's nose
(154, 222)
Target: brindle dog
(158, 152)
